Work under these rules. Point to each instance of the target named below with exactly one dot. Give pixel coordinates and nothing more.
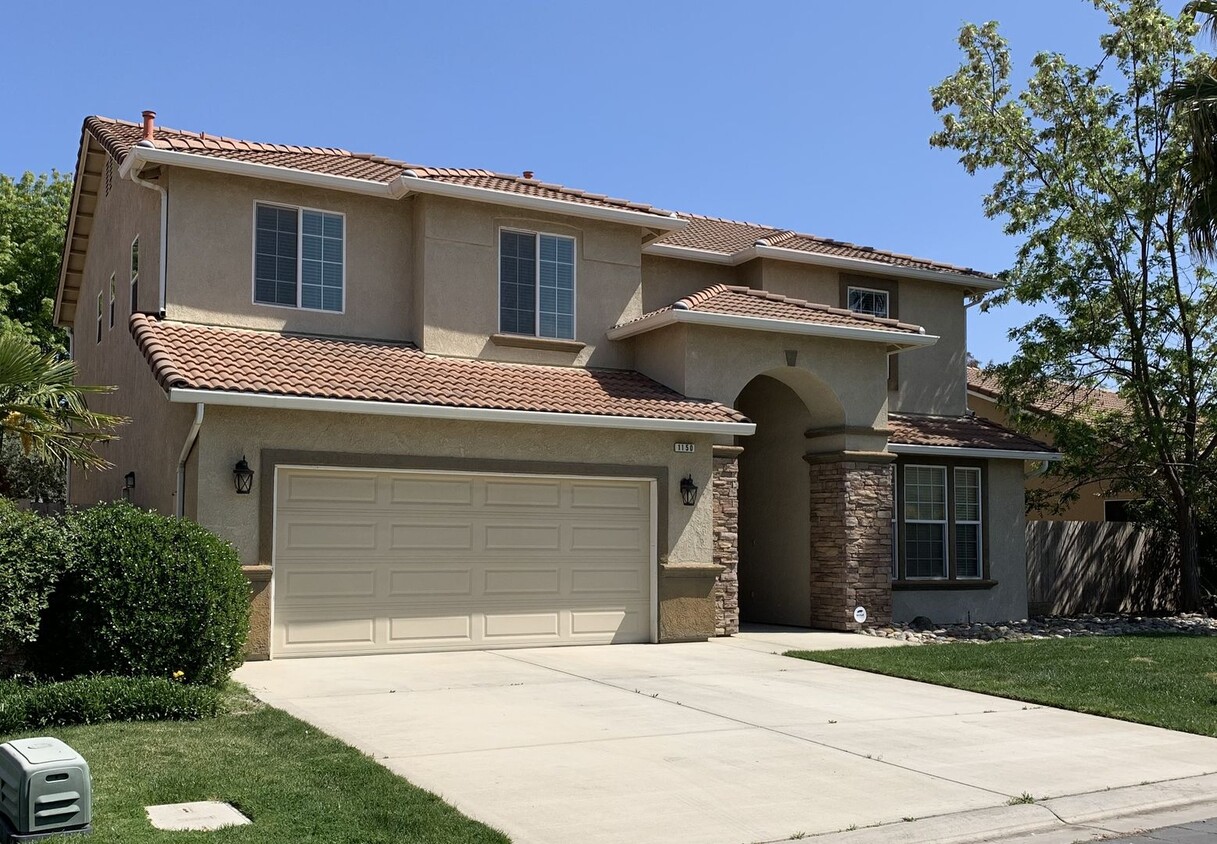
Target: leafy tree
(33, 219)
(43, 410)
(30, 475)
(1090, 165)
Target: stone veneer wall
(851, 538)
(725, 489)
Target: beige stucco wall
(150, 444)
(460, 258)
(211, 249)
(934, 380)
(229, 433)
(667, 279)
(1089, 505)
(1006, 564)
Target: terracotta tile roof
(726, 237)
(958, 432)
(1061, 400)
(246, 361)
(705, 233)
(118, 136)
(744, 301)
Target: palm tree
(42, 407)
(1194, 101)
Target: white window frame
(887, 300)
(253, 255)
(134, 267)
(100, 306)
(979, 521)
(574, 283)
(895, 523)
(113, 296)
(945, 521)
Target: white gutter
(660, 222)
(138, 156)
(779, 326)
(984, 453)
(469, 414)
(163, 249)
(1039, 471)
(797, 256)
(187, 447)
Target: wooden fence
(1094, 567)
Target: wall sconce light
(243, 476)
(129, 481)
(688, 490)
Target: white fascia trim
(687, 253)
(796, 256)
(775, 326)
(983, 453)
(138, 156)
(660, 222)
(469, 414)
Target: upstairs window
(99, 310)
(135, 274)
(113, 297)
(864, 300)
(536, 284)
(299, 258)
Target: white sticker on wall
(860, 615)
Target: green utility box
(45, 791)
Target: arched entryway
(775, 538)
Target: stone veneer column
(725, 489)
(851, 538)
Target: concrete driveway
(725, 742)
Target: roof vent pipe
(149, 125)
(528, 174)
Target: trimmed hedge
(147, 595)
(34, 551)
(93, 700)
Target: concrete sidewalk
(725, 742)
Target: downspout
(187, 447)
(149, 132)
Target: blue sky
(807, 115)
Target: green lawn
(1165, 680)
(298, 785)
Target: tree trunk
(1189, 560)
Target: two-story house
(484, 411)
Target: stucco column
(725, 489)
(851, 538)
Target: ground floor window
(938, 532)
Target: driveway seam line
(760, 727)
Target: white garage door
(397, 561)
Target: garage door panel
(336, 583)
(523, 493)
(409, 537)
(430, 492)
(305, 535)
(447, 562)
(410, 584)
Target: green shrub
(33, 552)
(148, 595)
(93, 700)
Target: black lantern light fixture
(129, 480)
(243, 476)
(688, 490)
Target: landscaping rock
(922, 631)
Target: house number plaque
(684, 448)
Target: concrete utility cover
(205, 815)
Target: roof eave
(70, 232)
(778, 253)
(964, 451)
(472, 414)
(901, 340)
(643, 219)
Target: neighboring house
(482, 410)
(1097, 501)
